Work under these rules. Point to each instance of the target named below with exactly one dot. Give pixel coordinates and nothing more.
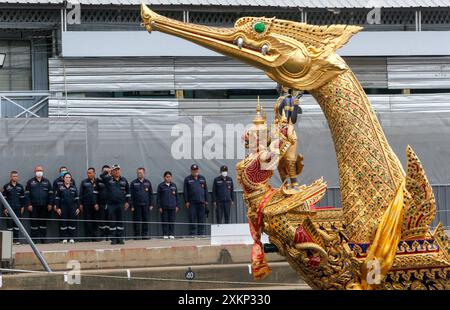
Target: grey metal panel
(370, 71)
(418, 72)
(263, 3)
(110, 74)
(74, 107)
(285, 3)
(143, 44)
(33, 1)
(397, 43)
(40, 64)
(218, 73)
(168, 73)
(381, 103)
(442, 195)
(58, 106)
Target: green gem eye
(259, 27)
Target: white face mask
(39, 174)
(224, 173)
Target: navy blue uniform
(67, 200)
(88, 199)
(117, 193)
(102, 202)
(15, 195)
(223, 196)
(167, 201)
(141, 199)
(196, 193)
(59, 182)
(39, 194)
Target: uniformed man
(89, 205)
(118, 197)
(167, 202)
(39, 199)
(222, 195)
(195, 193)
(102, 202)
(67, 208)
(14, 193)
(141, 203)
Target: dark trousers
(115, 218)
(141, 214)
(103, 217)
(68, 224)
(91, 225)
(223, 211)
(38, 225)
(168, 222)
(11, 226)
(197, 215)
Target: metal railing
(23, 104)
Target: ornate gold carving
(327, 247)
(420, 212)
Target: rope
(155, 279)
(104, 221)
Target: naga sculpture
(380, 238)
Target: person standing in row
(60, 180)
(67, 208)
(222, 195)
(103, 201)
(195, 193)
(167, 202)
(39, 199)
(14, 193)
(142, 203)
(89, 205)
(118, 194)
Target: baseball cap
(194, 167)
(114, 167)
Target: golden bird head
(297, 55)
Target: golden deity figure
(381, 237)
(272, 205)
(286, 110)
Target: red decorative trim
(260, 268)
(302, 236)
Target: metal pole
(25, 233)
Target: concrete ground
(129, 244)
(147, 264)
(134, 254)
(226, 276)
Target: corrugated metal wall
(141, 74)
(168, 73)
(418, 72)
(62, 107)
(108, 75)
(78, 106)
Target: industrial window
(15, 75)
